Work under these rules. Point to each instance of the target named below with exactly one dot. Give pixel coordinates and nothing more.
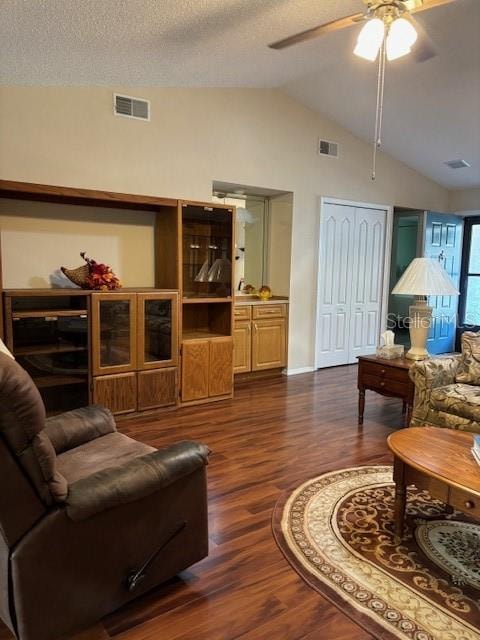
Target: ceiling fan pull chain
(377, 143)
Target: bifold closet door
(367, 282)
(334, 293)
(351, 268)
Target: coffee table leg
(361, 406)
(400, 496)
(400, 504)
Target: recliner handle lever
(137, 575)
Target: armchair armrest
(73, 428)
(435, 372)
(428, 375)
(136, 479)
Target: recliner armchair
(89, 518)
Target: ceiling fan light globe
(393, 53)
(400, 38)
(370, 39)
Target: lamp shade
(425, 277)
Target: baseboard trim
(295, 372)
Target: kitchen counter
(251, 300)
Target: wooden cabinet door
(116, 392)
(242, 347)
(220, 375)
(114, 340)
(157, 388)
(157, 343)
(195, 368)
(269, 341)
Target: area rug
(336, 530)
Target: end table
(387, 377)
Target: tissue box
(390, 352)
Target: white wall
(464, 200)
(38, 238)
(68, 136)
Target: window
(470, 283)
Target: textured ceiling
(432, 109)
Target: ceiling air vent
(457, 164)
(327, 148)
(131, 107)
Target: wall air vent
(457, 164)
(327, 148)
(131, 107)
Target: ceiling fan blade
(423, 49)
(315, 32)
(422, 5)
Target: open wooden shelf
(201, 335)
(47, 313)
(43, 382)
(37, 349)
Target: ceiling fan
(382, 18)
(389, 30)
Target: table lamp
(423, 277)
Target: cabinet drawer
(269, 311)
(242, 312)
(464, 501)
(384, 371)
(386, 385)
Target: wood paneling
(273, 436)
(269, 343)
(242, 347)
(167, 265)
(118, 392)
(157, 388)
(220, 378)
(195, 369)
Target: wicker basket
(78, 276)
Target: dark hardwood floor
(274, 435)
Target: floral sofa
(447, 389)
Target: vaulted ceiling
(432, 111)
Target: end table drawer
(382, 371)
(464, 501)
(385, 385)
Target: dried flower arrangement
(93, 275)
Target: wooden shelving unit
(187, 236)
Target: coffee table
(438, 460)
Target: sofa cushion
(111, 450)
(462, 400)
(469, 368)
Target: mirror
(250, 239)
(263, 233)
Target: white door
(367, 282)
(334, 291)
(350, 283)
